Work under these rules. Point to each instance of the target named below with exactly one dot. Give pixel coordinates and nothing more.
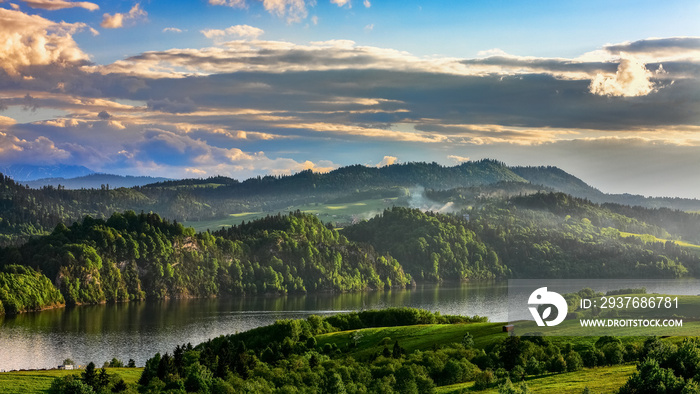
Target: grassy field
(651, 238)
(39, 381)
(418, 337)
(340, 213)
(598, 380)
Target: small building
(508, 328)
(67, 367)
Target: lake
(138, 330)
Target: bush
(484, 380)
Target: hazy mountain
(560, 180)
(28, 172)
(96, 181)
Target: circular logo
(551, 300)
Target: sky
(609, 91)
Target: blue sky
(607, 90)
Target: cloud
(458, 159)
(171, 106)
(6, 121)
(367, 4)
(172, 30)
(369, 27)
(342, 3)
(632, 79)
(104, 115)
(387, 161)
(229, 3)
(117, 20)
(659, 49)
(53, 5)
(41, 150)
(30, 40)
(237, 30)
(292, 10)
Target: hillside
(559, 180)
(402, 350)
(94, 181)
(132, 257)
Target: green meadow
(342, 213)
(411, 338)
(599, 380)
(39, 381)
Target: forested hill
(136, 256)
(94, 181)
(430, 246)
(429, 175)
(26, 212)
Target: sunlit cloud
(53, 5)
(458, 159)
(387, 161)
(30, 40)
(237, 30)
(631, 79)
(117, 20)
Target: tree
(468, 340)
(89, 375)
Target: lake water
(139, 330)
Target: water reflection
(138, 330)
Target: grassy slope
(39, 381)
(651, 238)
(598, 380)
(411, 338)
(327, 213)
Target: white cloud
(42, 149)
(367, 3)
(369, 27)
(172, 30)
(6, 121)
(30, 40)
(117, 20)
(237, 30)
(631, 79)
(293, 10)
(229, 3)
(53, 5)
(342, 3)
(458, 159)
(387, 161)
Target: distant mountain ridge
(29, 172)
(96, 181)
(560, 180)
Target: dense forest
(556, 236)
(135, 256)
(430, 246)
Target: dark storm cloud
(658, 46)
(172, 106)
